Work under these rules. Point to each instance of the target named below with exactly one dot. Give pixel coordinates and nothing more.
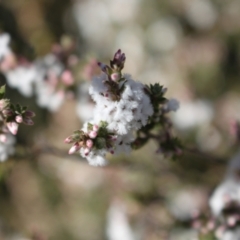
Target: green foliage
(209, 236)
(90, 126)
(2, 91)
(156, 93)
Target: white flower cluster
(228, 190)
(49, 70)
(46, 74)
(225, 202)
(123, 116)
(131, 112)
(20, 76)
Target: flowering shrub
(125, 113)
(10, 117)
(121, 114)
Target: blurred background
(192, 47)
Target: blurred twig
(207, 156)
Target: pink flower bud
(74, 148)
(12, 127)
(28, 121)
(93, 134)
(29, 114)
(7, 112)
(68, 139)
(113, 138)
(115, 76)
(67, 78)
(112, 152)
(86, 151)
(89, 143)
(231, 221)
(95, 127)
(19, 119)
(103, 67)
(3, 138)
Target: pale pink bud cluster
(89, 143)
(82, 140)
(13, 119)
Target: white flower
(49, 64)
(123, 143)
(7, 147)
(84, 104)
(48, 98)
(49, 70)
(129, 113)
(22, 78)
(94, 158)
(98, 89)
(228, 190)
(4, 45)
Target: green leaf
(100, 143)
(103, 124)
(77, 131)
(209, 236)
(18, 109)
(24, 109)
(2, 91)
(90, 127)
